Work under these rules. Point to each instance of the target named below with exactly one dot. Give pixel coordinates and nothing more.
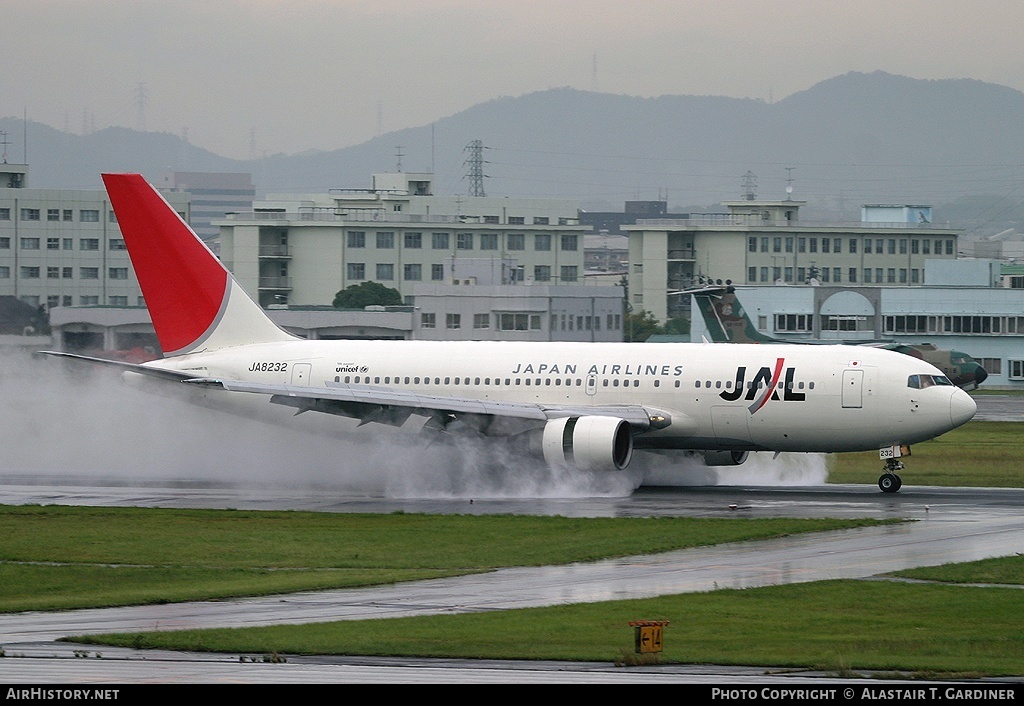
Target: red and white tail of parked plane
(580, 404)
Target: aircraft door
(591, 385)
(853, 388)
(301, 373)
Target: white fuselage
(823, 398)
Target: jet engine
(589, 443)
(724, 458)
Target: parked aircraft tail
(727, 322)
(194, 301)
(725, 318)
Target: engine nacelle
(724, 458)
(589, 443)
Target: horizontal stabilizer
(120, 365)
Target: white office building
(764, 242)
(62, 247)
(212, 195)
(304, 249)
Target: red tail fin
(186, 287)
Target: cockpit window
(919, 382)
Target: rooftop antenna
(750, 186)
(475, 161)
(4, 142)
(789, 183)
(398, 154)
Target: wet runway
(999, 408)
(831, 500)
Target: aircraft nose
(980, 375)
(961, 408)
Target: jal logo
(758, 395)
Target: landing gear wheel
(889, 483)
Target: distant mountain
(853, 139)
(60, 160)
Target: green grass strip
(246, 539)
(35, 587)
(62, 557)
(978, 454)
(1000, 570)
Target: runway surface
(999, 408)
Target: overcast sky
(287, 76)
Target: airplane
(578, 405)
(727, 322)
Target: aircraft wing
(373, 403)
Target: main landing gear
(890, 482)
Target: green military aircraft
(727, 322)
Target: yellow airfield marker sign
(648, 635)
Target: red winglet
(183, 283)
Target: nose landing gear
(890, 482)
